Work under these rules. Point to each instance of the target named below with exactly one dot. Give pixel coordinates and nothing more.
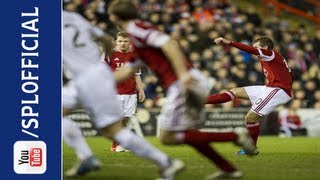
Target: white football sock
(140, 147)
(73, 137)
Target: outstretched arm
(244, 47)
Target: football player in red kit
(127, 90)
(264, 98)
(186, 89)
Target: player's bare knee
(235, 91)
(252, 118)
(239, 93)
(249, 120)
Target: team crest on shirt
(258, 101)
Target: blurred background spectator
(290, 122)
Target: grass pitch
(280, 158)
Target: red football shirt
(147, 40)
(274, 66)
(116, 60)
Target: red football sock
(214, 157)
(254, 130)
(220, 98)
(195, 136)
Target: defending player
(92, 87)
(186, 89)
(264, 99)
(127, 91)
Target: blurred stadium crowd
(195, 23)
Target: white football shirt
(79, 49)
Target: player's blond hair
(121, 34)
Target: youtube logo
(30, 157)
